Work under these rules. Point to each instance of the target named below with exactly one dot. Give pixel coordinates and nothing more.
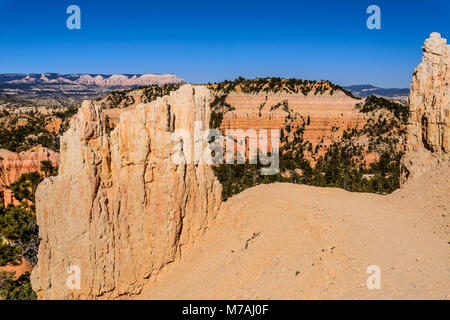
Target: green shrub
(12, 288)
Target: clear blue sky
(214, 40)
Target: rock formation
(13, 165)
(54, 89)
(429, 104)
(326, 116)
(327, 113)
(120, 208)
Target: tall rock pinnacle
(429, 103)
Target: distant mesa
(89, 79)
(365, 90)
(55, 89)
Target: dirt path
(285, 241)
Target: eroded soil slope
(286, 241)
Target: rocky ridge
(90, 79)
(54, 89)
(120, 208)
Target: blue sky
(214, 40)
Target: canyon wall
(328, 115)
(120, 208)
(13, 165)
(428, 140)
(325, 116)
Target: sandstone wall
(13, 165)
(120, 209)
(325, 113)
(329, 116)
(429, 103)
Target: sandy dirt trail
(286, 241)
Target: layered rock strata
(13, 165)
(327, 115)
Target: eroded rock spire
(428, 139)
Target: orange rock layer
(13, 165)
(326, 117)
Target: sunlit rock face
(429, 103)
(325, 112)
(121, 209)
(327, 116)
